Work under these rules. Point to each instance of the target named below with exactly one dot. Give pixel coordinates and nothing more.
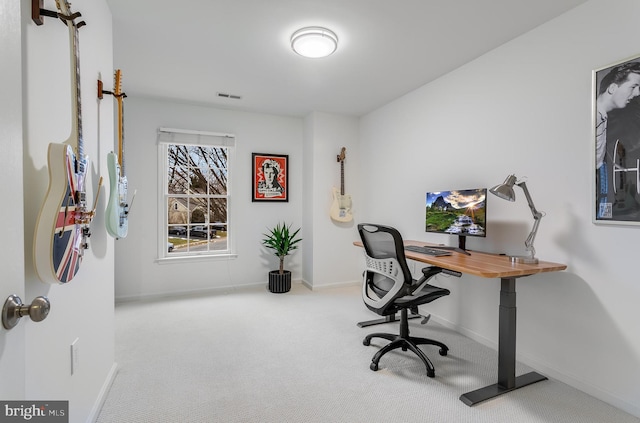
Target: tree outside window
(196, 199)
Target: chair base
(406, 343)
(386, 319)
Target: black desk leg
(507, 380)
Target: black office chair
(388, 287)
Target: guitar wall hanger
(101, 92)
(38, 12)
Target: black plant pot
(279, 283)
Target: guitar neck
(121, 134)
(76, 130)
(119, 95)
(342, 177)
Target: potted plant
(282, 240)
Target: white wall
(82, 308)
(316, 141)
(327, 261)
(524, 108)
(138, 274)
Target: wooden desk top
(478, 263)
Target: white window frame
(172, 136)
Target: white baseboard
(185, 293)
(221, 289)
(102, 395)
(548, 371)
(317, 287)
(587, 388)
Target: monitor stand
(461, 248)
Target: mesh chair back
(387, 273)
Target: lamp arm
(537, 216)
(529, 241)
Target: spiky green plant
(282, 240)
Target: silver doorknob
(13, 310)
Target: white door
(12, 342)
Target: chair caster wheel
(431, 373)
(443, 351)
(374, 367)
(366, 342)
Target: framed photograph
(616, 146)
(270, 177)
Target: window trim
(169, 136)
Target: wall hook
(38, 11)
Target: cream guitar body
(62, 229)
(341, 206)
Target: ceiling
(192, 50)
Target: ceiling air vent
(231, 96)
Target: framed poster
(616, 135)
(270, 178)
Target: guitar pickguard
(117, 207)
(341, 207)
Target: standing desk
(488, 265)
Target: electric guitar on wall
(117, 208)
(62, 231)
(341, 206)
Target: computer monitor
(457, 212)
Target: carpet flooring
(248, 355)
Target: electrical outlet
(75, 357)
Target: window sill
(199, 258)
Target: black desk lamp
(505, 191)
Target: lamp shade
(505, 190)
(314, 42)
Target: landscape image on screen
(461, 212)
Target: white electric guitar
(341, 206)
(62, 231)
(117, 212)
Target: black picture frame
(270, 177)
(616, 143)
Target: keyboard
(427, 250)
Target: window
(195, 200)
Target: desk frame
(493, 266)
(507, 380)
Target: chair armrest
(429, 272)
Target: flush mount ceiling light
(314, 42)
